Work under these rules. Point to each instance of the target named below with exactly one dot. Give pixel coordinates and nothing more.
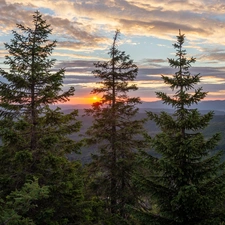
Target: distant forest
(216, 125)
(111, 163)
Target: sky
(84, 31)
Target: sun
(95, 98)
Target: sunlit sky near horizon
(84, 30)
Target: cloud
(11, 14)
(149, 80)
(152, 62)
(84, 31)
(212, 55)
(82, 22)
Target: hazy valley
(217, 124)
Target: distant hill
(218, 106)
(217, 124)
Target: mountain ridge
(218, 106)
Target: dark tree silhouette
(34, 136)
(186, 184)
(116, 130)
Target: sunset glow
(83, 100)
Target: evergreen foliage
(34, 136)
(116, 132)
(186, 184)
(19, 202)
(31, 82)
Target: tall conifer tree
(35, 137)
(187, 183)
(115, 129)
(31, 82)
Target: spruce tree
(186, 183)
(35, 136)
(31, 81)
(115, 129)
